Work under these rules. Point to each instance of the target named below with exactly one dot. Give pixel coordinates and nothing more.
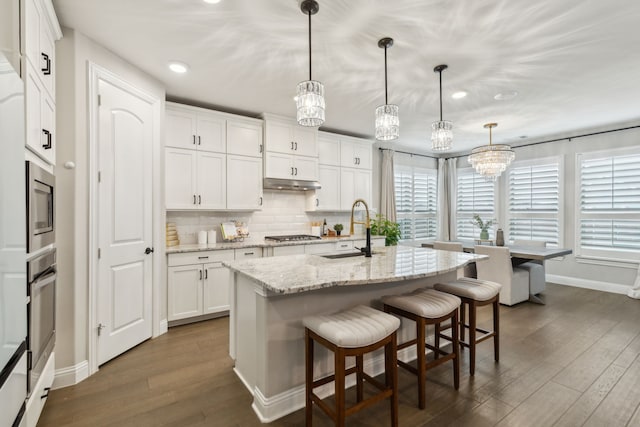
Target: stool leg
(391, 375)
(359, 378)
(308, 356)
(339, 385)
(462, 320)
(422, 362)
(472, 337)
(496, 330)
(436, 341)
(456, 351)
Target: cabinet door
(278, 165)
(244, 138)
(47, 60)
(211, 133)
(180, 128)
(347, 188)
(216, 287)
(184, 286)
(244, 182)
(328, 150)
(328, 197)
(32, 28)
(362, 154)
(212, 180)
(180, 179)
(305, 141)
(362, 186)
(40, 118)
(288, 250)
(305, 168)
(48, 116)
(279, 137)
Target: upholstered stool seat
(427, 307)
(475, 293)
(352, 332)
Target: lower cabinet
(40, 393)
(197, 283)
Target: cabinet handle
(199, 140)
(203, 257)
(296, 146)
(343, 246)
(199, 199)
(248, 253)
(291, 171)
(292, 145)
(355, 160)
(260, 200)
(194, 199)
(194, 140)
(358, 160)
(47, 69)
(317, 202)
(200, 274)
(46, 393)
(296, 174)
(206, 274)
(261, 148)
(47, 146)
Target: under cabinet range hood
(290, 184)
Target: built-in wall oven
(40, 208)
(41, 337)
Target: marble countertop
(302, 273)
(260, 243)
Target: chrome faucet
(366, 223)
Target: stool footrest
(370, 401)
(408, 367)
(330, 378)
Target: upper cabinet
(213, 160)
(40, 32)
(10, 32)
(194, 128)
(355, 153)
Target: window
(416, 202)
(475, 195)
(608, 223)
(534, 201)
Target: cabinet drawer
(248, 253)
(200, 257)
(36, 401)
(288, 250)
(344, 246)
(320, 248)
(13, 392)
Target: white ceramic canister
(202, 237)
(212, 237)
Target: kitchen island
(270, 296)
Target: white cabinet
(41, 30)
(40, 393)
(194, 128)
(288, 250)
(284, 136)
(195, 180)
(326, 198)
(354, 184)
(244, 182)
(248, 253)
(328, 149)
(355, 153)
(244, 138)
(197, 283)
(288, 166)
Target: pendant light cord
(309, 44)
(440, 72)
(386, 100)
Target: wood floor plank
(185, 378)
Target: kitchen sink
(342, 255)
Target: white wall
(571, 270)
(74, 51)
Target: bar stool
(352, 332)
(427, 307)
(475, 293)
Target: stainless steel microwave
(40, 208)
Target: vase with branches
(483, 225)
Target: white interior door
(124, 221)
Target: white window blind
(416, 202)
(534, 201)
(609, 222)
(475, 195)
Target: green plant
(381, 226)
(338, 227)
(483, 225)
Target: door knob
(148, 251)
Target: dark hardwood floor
(572, 362)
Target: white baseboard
(596, 285)
(269, 409)
(164, 327)
(71, 375)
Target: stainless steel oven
(41, 273)
(40, 208)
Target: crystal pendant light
(310, 93)
(442, 130)
(387, 121)
(491, 160)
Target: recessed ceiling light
(212, 1)
(178, 67)
(459, 95)
(504, 96)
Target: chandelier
(310, 93)
(442, 130)
(387, 121)
(491, 160)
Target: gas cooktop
(291, 237)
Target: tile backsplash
(283, 212)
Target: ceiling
(574, 63)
